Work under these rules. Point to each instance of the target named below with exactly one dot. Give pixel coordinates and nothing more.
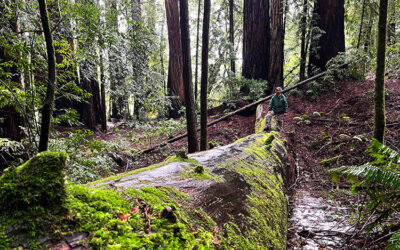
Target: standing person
(277, 108)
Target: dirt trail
(330, 132)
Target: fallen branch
(177, 138)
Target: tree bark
(328, 15)
(187, 78)
(197, 52)
(232, 36)
(204, 77)
(276, 46)
(88, 107)
(367, 41)
(51, 83)
(303, 50)
(175, 77)
(380, 119)
(256, 39)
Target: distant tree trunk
(136, 11)
(391, 32)
(380, 119)
(204, 76)
(88, 107)
(276, 47)
(303, 49)
(103, 97)
(51, 84)
(256, 40)
(175, 78)
(197, 52)
(232, 36)
(328, 15)
(187, 78)
(361, 24)
(368, 31)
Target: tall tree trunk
(51, 83)
(197, 52)
(361, 24)
(256, 41)
(303, 50)
(391, 29)
(380, 119)
(175, 77)
(103, 97)
(187, 77)
(368, 31)
(232, 36)
(328, 16)
(276, 46)
(204, 77)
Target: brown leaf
(217, 241)
(135, 210)
(124, 217)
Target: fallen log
(177, 138)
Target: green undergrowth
(115, 222)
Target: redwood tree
(328, 16)
(256, 39)
(204, 76)
(275, 76)
(231, 35)
(187, 77)
(380, 119)
(175, 77)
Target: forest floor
(330, 131)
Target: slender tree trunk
(51, 84)
(256, 40)
(187, 78)
(303, 49)
(232, 36)
(197, 52)
(367, 41)
(380, 119)
(276, 55)
(391, 29)
(329, 17)
(175, 78)
(361, 24)
(103, 97)
(204, 76)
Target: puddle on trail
(317, 223)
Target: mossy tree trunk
(51, 82)
(380, 119)
(204, 76)
(232, 36)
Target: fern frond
(387, 177)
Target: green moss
(199, 173)
(213, 144)
(32, 196)
(97, 211)
(178, 159)
(329, 161)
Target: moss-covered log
(230, 197)
(241, 192)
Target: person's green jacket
(278, 104)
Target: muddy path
(330, 132)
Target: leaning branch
(177, 138)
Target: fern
(394, 241)
(381, 179)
